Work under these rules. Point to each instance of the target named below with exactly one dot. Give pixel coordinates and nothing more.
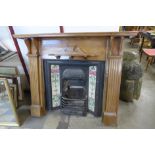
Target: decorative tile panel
(92, 88)
(55, 81)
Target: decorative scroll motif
(92, 88)
(55, 81)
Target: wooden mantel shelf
(86, 34)
(72, 54)
(92, 46)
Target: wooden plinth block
(110, 119)
(37, 111)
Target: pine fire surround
(79, 46)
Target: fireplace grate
(73, 106)
(74, 90)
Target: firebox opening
(74, 86)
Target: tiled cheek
(92, 88)
(55, 80)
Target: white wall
(91, 28)
(36, 29)
(6, 39)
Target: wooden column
(36, 78)
(113, 80)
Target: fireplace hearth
(75, 87)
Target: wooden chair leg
(141, 54)
(153, 58)
(148, 62)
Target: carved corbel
(33, 46)
(28, 44)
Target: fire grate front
(74, 96)
(73, 106)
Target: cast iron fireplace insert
(75, 87)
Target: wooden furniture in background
(150, 36)
(150, 56)
(137, 28)
(97, 46)
(136, 40)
